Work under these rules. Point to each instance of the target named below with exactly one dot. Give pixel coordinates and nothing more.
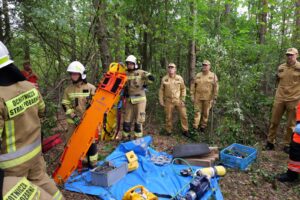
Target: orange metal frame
(107, 93)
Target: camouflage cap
(205, 62)
(172, 65)
(291, 51)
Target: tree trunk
(283, 26)
(1, 25)
(271, 20)
(145, 51)
(296, 34)
(263, 22)
(6, 37)
(227, 8)
(227, 11)
(101, 33)
(179, 55)
(150, 67)
(26, 40)
(164, 53)
(73, 32)
(127, 44)
(192, 44)
(119, 45)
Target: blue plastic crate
(236, 162)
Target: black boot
(126, 131)
(289, 176)
(186, 134)
(202, 129)
(269, 146)
(286, 149)
(92, 153)
(168, 133)
(126, 138)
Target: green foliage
(158, 32)
(49, 120)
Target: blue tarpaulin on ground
(157, 179)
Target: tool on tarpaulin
(211, 172)
(200, 183)
(161, 160)
(206, 171)
(133, 163)
(186, 172)
(198, 187)
(236, 152)
(139, 192)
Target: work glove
(193, 99)
(182, 103)
(213, 102)
(151, 78)
(88, 101)
(145, 87)
(297, 128)
(76, 120)
(125, 93)
(162, 103)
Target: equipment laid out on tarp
(163, 181)
(201, 180)
(107, 94)
(139, 192)
(133, 162)
(161, 159)
(190, 150)
(107, 174)
(206, 160)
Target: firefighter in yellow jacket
(286, 99)
(76, 99)
(135, 109)
(204, 92)
(172, 94)
(20, 127)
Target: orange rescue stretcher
(107, 93)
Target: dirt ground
(258, 182)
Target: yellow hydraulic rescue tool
(111, 122)
(139, 192)
(107, 94)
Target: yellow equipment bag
(139, 192)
